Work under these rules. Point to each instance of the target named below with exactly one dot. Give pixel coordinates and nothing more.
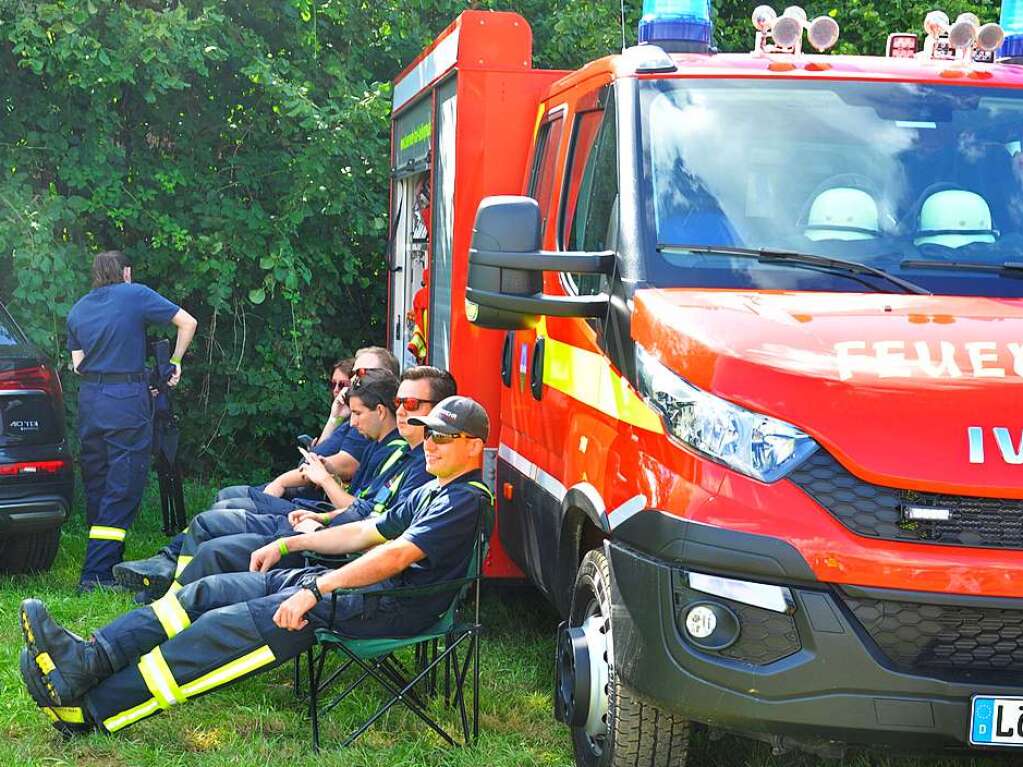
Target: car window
(591, 207)
(541, 185)
(9, 335)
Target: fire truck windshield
(922, 182)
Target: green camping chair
(376, 658)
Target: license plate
(996, 721)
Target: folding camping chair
(375, 658)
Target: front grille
(877, 511)
(948, 640)
(764, 635)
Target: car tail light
(38, 377)
(32, 467)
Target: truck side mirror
(505, 225)
(506, 266)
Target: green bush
(238, 151)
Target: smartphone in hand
(305, 441)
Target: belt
(114, 378)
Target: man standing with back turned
(107, 341)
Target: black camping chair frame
(311, 560)
(411, 688)
(460, 659)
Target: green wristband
(282, 546)
(324, 519)
(175, 361)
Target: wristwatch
(309, 582)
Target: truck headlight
(753, 444)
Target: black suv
(36, 472)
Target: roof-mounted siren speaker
(963, 34)
(822, 33)
(1012, 24)
(784, 34)
(677, 26)
(990, 37)
(788, 33)
(936, 45)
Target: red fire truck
(750, 331)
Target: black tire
(29, 552)
(639, 733)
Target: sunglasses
(335, 385)
(361, 372)
(411, 403)
(441, 439)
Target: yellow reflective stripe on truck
(588, 377)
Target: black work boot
(154, 574)
(68, 665)
(67, 720)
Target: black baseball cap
(456, 415)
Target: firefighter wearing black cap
(107, 340)
(225, 627)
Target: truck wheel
(611, 725)
(30, 552)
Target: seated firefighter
(340, 443)
(221, 540)
(225, 627)
(371, 399)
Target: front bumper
(832, 685)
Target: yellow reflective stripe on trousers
(171, 614)
(588, 377)
(230, 671)
(174, 587)
(183, 561)
(164, 688)
(159, 679)
(101, 533)
(132, 715)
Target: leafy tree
(238, 151)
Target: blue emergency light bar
(1012, 23)
(677, 26)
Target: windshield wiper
(767, 256)
(965, 266)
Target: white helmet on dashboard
(954, 218)
(843, 213)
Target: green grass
(260, 722)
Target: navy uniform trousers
(211, 633)
(279, 511)
(221, 541)
(116, 433)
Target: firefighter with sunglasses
(420, 388)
